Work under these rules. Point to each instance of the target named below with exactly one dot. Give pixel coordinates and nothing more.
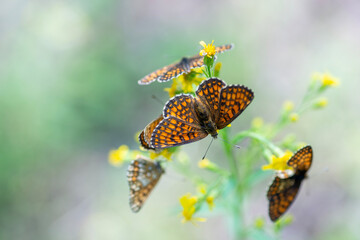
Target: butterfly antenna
(157, 99)
(234, 145)
(212, 139)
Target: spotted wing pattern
(145, 135)
(144, 143)
(152, 77)
(143, 176)
(209, 93)
(174, 70)
(282, 192)
(302, 159)
(196, 61)
(281, 195)
(173, 132)
(233, 101)
(188, 119)
(181, 107)
(224, 48)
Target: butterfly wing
(209, 93)
(233, 101)
(174, 71)
(143, 142)
(281, 195)
(152, 77)
(145, 135)
(182, 107)
(196, 61)
(143, 176)
(224, 48)
(173, 131)
(302, 159)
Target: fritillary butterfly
(282, 192)
(188, 119)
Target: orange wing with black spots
(152, 77)
(145, 135)
(143, 176)
(174, 71)
(209, 93)
(182, 107)
(283, 192)
(144, 143)
(233, 101)
(196, 61)
(302, 159)
(224, 48)
(183, 66)
(281, 195)
(173, 132)
(188, 119)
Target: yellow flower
(186, 83)
(201, 188)
(188, 204)
(205, 163)
(328, 80)
(209, 49)
(288, 106)
(172, 90)
(321, 103)
(210, 202)
(279, 163)
(257, 122)
(217, 69)
(116, 157)
(166, 153)
(294, 117)
(325, 79)
(259, 223)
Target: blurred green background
(69, 94)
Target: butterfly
(282, 192)
(145, 135)
(184, 66)
(142, 176)
(188, 119)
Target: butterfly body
(204, 117)
(188, 119)
(185, 64)
(283, 191)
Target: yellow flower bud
(321, 103)
(288, 106)
(294, 117)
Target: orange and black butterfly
(188, 119)
(145, 135)
(282, 192)
(142, 176)
(184, 66)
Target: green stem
(261, 139)
(229, 153)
